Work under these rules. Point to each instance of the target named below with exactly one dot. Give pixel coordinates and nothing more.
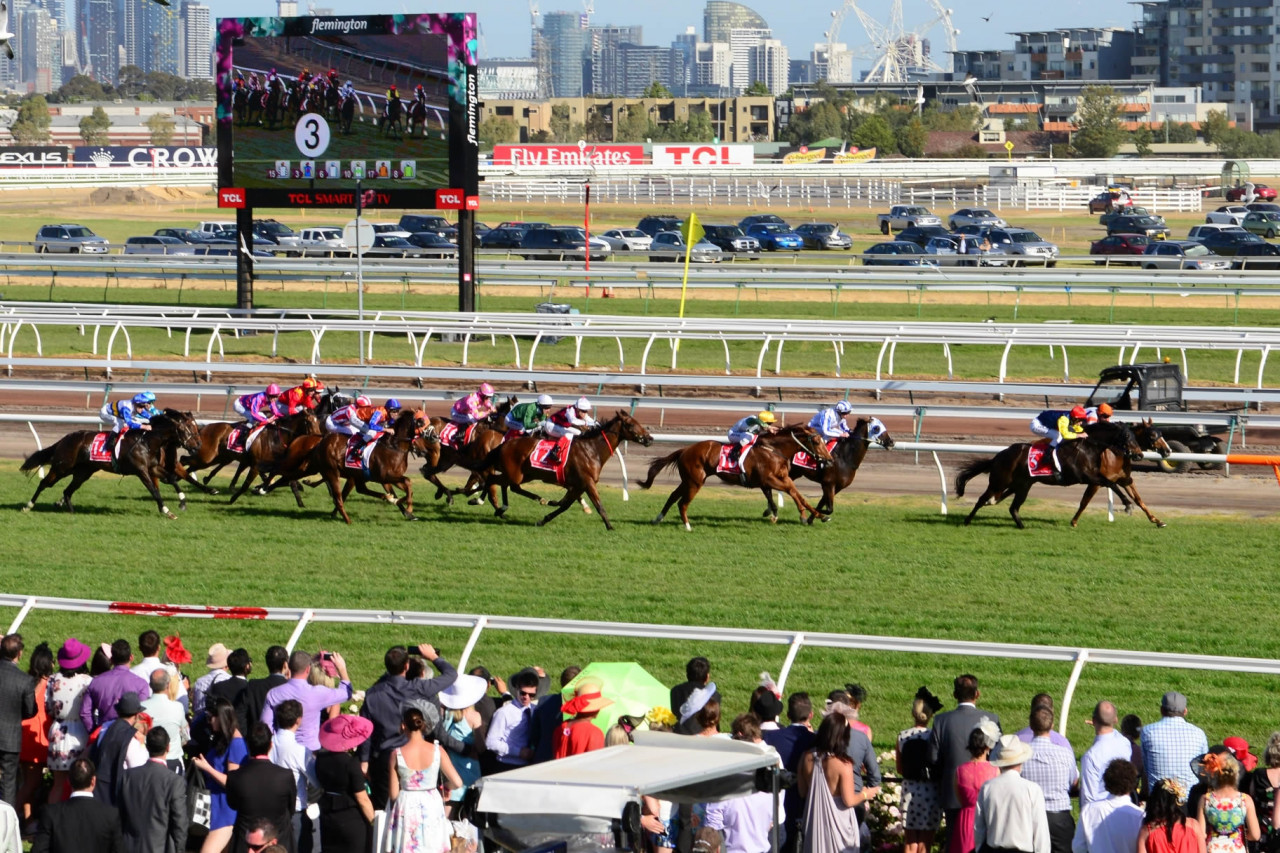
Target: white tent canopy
(600, 784)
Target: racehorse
(346, 114)
(275, 103)
(418, 113)
(332, 98)
(392, 115)
(846, 456)
(440, 457)
(508, 465)
(141, 453)
(264, 455)
(764, 468)
(1104, 458)
(213, 451)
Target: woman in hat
(346, 812)
(581, 734)
(416, 823)
(228, 753)
(462, 722)
(970, 778)
(1228, 816)
(921, 800)
(62, 696)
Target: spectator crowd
(107, 749)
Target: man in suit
(791, 744)
(250, 701)
(698, 673)
(260, 790)
(239, 664)
(153, 802)
(112, 747)
(17, 703)
(79, 824)
(949, 740)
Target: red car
(1120, 244)
(1109, 201)
(1260, 191)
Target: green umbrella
(633, 690)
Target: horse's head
(406, 425)
(633, 430)
(424, 434)
(875, 431)
(1151, 439)
(184, 428)
(308, 423)
(810, 442)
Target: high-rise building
(195, 61)
(286, 8)
(711, 73)
(626, 70)
(719, 17)
(41, 64)
(600, 39)
(100, 31)
(507, 80)
(741, 41)
(566, 43)
(151, 37)
(769, 63)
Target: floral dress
(1224, 819)
(417, 823)
(67, 737)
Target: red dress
(970, 777)
(577, 736)
(1184, 839)
(35, 731)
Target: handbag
(199, 800)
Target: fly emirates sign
(568, 155)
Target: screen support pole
(244, 258)
(360, 267)
(466, 260)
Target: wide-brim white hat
(1010, 752)
(463, 693)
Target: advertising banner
(686, 154)
(568, 155)
(855, 156)
(814, 155)
(34, 155)
(146, 156)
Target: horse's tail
(40, 457)
(657, 466)
(973, 469)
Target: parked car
(1228, 214)
(902, 216)
(970, 230)
(390, 229)
(1257, 256)
(433, 244)
(1026, 245)
(654, 225)
(823, 235)
(1133, 210)
(761, 219)
(324, 240)
(1264, 222)
(670, 246)
(921, 234)
(186, 235)
(1148, 225)
(896, 253)
(1120, 244)
(774, 236)
(627, 239)
(1109, 200)
(1199, 232)
(975, 216)
(276, 232)
(213, 226)
(730, 239)
(391, 245)
(561, 242)
(1227, 243)
(1181, 255)
(153, 245)
(946, 252)
(1241, 191)
(1263, 206)
(503, 237)
(70, 239)
(526, 226)
(416, 223)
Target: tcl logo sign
(703, 155)
(231, 197)
(450, 199)
(473, 202)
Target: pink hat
(344, 732)
(73, 654)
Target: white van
(323, 240)
(211, 227)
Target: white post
(22, 614)
(471, 642)
(298, 629)
(1081, 657)
(360, 272)
(796, 642)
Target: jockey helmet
(843, 408)
(544, 400)
(273, 390)
(142, 398)
(1078, 413)
(486, 390)
(392, 405)
(767, 417)
(362, 400)
(309, 384)
(583, 404)
(1105, 410)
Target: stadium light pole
(359, 267)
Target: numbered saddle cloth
(804, 460)
(1040, 459)
(727, 464)
(456, 436)
(358, 453)
(550, 454)
(242, 436)
(100, 449)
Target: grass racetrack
(883, 566)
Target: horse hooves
(213, 492)
(258, 490)
(170, 516)
(824, 518)
(448, 500)
(543, 502)
(408, 516)
(1161, 524)
(541, 523)
(26, 508)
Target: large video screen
(308, 106)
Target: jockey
(304, 75)
(741, 433)
(474, 407)
(392, 408)
(392, 94)
(1101, 412)
(830, 423)
(300, 397)
(348, 90)
(529, 417)
(420, 94)
(134, 413)
(144, 406)
(1059, 426)
(346, 420)
(571, 420)
(258, 409)
(271, 77)
(373, 417)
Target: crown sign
(102, 158)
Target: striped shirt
(1168, 745)
(1053, 768)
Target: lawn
(883, 566)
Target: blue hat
(144, 397)
(393, 403)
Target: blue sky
(504, 24)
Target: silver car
(1182, 255)
(975, 216)
(627, 239)
(670, 246)
(153, 245)
(71, 239)
(1024, 246)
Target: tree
(497, 130)
(1215, 127)
(80, 88)
(32, 124)
(821, 121)
(131, 81)
(560, 122)
(912, 137)
(1142, 140)
(758, 88)
(874, 132)
(161, 127)
(596, 129)
(634, 125)
(1098, 131)
(1183, 132)
(656, 90)
(968, 117)
(95, 126)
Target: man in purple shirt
(1043, 700)
(100, 698)
(313, 697)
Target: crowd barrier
(793, 641)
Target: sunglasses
(528, 695)
(254, 848)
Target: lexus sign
(703, 155)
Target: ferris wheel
(894, 51)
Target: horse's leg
(982, 501)
(78, 479)
(48, 480)
(594, 494)
(1019, 496)
(1089, 492)
(802, 506)
(406, 505)
(1137, 498)
(149, 480)
(671, 501)
(296, 488)
(771, 508)
(339, 506)
(570, 498)
(691, 490)
(248, 480)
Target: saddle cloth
(242, 436)
(804, 460)
(1040, 459)
(726, 465)
(358, 452)
(101, 446)
(542, 450)
(455, 436)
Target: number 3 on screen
(311, 135)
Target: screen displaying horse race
(308, 106)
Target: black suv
(761, 219)
(730, 238)
(921, 234)
(1229, 242)
(1148, 225)
(1257, 256)
(416, 223)
(654, 225)
(276, 232)
(564, 242)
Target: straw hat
(1010, 752)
